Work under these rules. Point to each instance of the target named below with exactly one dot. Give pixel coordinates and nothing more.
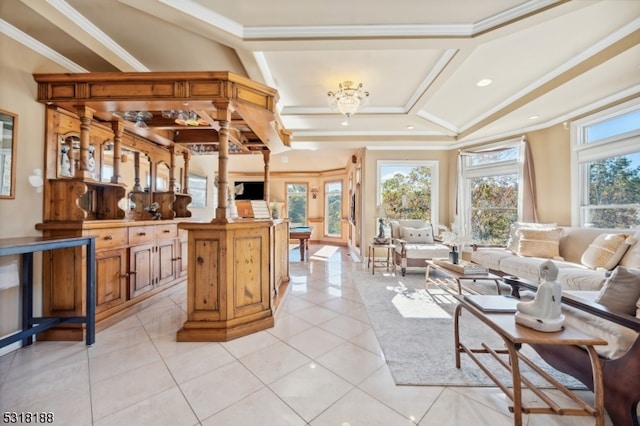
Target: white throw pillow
(536, 242)
(417, 235)
(638, 308)
(514, 238)
(631, 259)
(621, 290)
(605, 251)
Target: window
(198, 190)
(333, 209)
(297, 204)
(606, 157)
(408, 189)
(490, 192)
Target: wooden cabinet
(134, 262)
(111, 279)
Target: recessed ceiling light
(484, 82)
(533, 117)
(409, 126)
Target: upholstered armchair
(414, 243)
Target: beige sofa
(414, 243)
(572, 245)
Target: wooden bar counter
(234, 273)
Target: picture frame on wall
(8, 144)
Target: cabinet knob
(142, 234)
(166, 231)
(108, 237)
(124, 276)
(132, 273)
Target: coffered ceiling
(548, 60)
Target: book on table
(464, 267)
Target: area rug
(414, 327)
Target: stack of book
(464, 267)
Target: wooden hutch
(116, 145)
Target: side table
(372, 256)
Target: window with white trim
(333, 208)
(408, 189)
(297, 204)
(606, 168)
(491, 197)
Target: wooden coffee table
(514, 335)
(458, 277)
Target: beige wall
(551, 152)
(19, 215)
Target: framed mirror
(9, 127)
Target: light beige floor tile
(274, 361)
(42, 356)
(345, 327)
(358, 408)
(202, 359)
(287, 326)
(219, 389)
(125, 389)
(453, 409)
(163, 321)
(368, 341)
(262, 408)
(310, 390)
(167, 408)
(116, 340)
(342, 306)
(25, 392)
(5, 366)
(315, 314)
(314, 342)
(245, 345)
(351, 362)
(360, 314)
(293, 304)
(410, 401)
(167, 345)
(103, 366)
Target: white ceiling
(419, 59)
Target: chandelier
(184, 118)
(347, 99)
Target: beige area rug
(414, 326)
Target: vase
(453, 255)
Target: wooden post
(185, 184)
(118, 130)
(86, 115)
(266, 154)
(172, 169)
(224, 119)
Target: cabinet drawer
(109, 237)
(140, 234)
(166, 231)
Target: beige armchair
(414, 243)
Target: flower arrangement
(275, 209)
(454, 236)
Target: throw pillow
(605, 251)
(631, 259)
(638, 308)
(514, 238)
(417, 235)
(539, 242)
(621, 290)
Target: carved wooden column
(224, 119)
(185, 184)
(136, 171)
(172, 169)
(86, 115)
(118, 130)
(266, 154)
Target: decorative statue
(381, 228)
(544, 312)
(65, 164)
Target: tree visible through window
(607, 151)
(408, 189)
(333, 208)
(297, 204)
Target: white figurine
(65, 164)
(544, 312)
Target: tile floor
(320, 365)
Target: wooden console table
(514, 335)
(31, 325)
